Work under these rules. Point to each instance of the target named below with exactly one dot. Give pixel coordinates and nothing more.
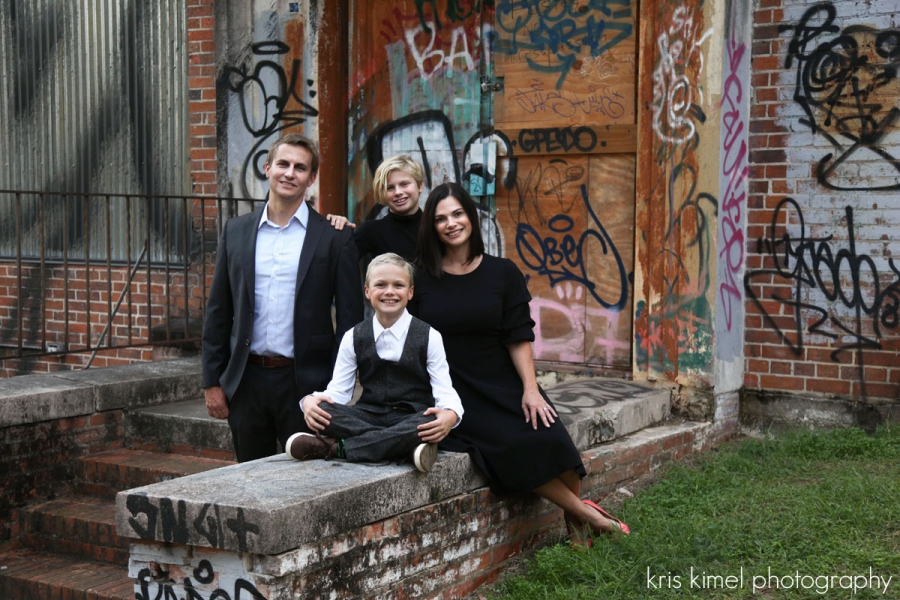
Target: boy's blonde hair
(400, 162)
(389, 258)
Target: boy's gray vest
(391, 383)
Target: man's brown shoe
(305, 446)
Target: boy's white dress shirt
(389, 346)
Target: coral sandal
(622, 526)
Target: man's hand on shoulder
(216, 402)
(339, 221)
(435, 431)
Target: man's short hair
(389, 258)
(295, 139)
(400, 162)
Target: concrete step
(107, 473)
(594, 410)
(75, 526)
(33, 575)
(179, 428)
(598, 410)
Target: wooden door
(564, 75)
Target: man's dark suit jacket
(328, 270)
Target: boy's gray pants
(377, 432)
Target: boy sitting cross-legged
(408, 403)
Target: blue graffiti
(564, 260)
(562, 28)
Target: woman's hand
(435, 431)
(316, 418)
(534, 406)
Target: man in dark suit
(268, 338)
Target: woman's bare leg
(557, 492)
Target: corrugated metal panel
(93, 100)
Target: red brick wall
(202, 95)
(815, 323)
(37, 460)
(52, 321)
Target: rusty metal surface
(94, 97)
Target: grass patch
(821, 505)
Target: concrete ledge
(180, 424)
(35, 398)
(599, 410)
(440, 551)
(141, 384)
(275, 504)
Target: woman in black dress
(479, 304)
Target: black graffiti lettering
(210, 527)
(242, 585)
(603, 101)
(241, 528)
(564, 260)
(840, 83)
(140, 504)
(555, 139)
(808, 263)
(175, 527)
(143, 579)
(253, 95)
(204, 573)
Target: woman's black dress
(477, 314)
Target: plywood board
(541, 219)
(564, 63)
(608, 250)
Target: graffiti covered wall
(566, 206)
(822, 282)
(414, 88)
(266, 86)
(678, 201)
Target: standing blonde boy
(408, 403)
(397, 184)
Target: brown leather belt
(270, 362)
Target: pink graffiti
(736, 169)
(571, 348)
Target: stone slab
(140, 384)
(185, 423)
(598, 410)
(36, 398)
(275, 504)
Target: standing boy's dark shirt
(394, 233)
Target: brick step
(107, 473)
(179, 428)
(75, 526)
(33, 575)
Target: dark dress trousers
(327, 272)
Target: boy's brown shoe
(305, 446)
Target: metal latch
(489, 85)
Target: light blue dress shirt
(277, 257)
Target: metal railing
(91, 272)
